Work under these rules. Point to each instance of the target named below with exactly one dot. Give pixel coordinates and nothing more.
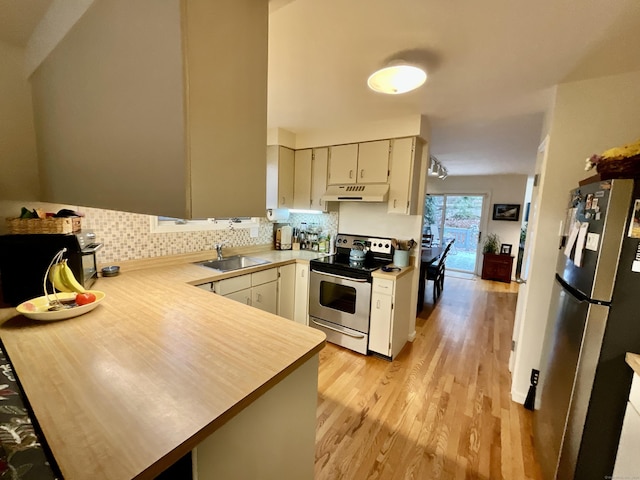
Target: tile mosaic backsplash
(128, 236)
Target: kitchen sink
(233, 263)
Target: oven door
(340, 300)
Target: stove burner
(346, 264)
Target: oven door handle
(336, 330)
(361, 280)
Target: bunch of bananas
(62, 278)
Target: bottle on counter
(322, 243)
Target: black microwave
(24, 260)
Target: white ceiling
(492, 65)
(18, 18)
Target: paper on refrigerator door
(582, 238)
(573, 236)
(593, 239)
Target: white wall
(588, 117)
(18, 157)
(499, 189)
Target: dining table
(428, 256)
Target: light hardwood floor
(442, 410)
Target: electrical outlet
(535, 375)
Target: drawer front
(502, 260)
(264, 276)
(383, 285)
(234, 284)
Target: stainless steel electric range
(340, 289)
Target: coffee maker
(24, 259)
(282, 236)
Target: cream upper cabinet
(132, 100)
(373, 162)
(319, 171)
(302, 179)
(366, 162)
(343, 164)
(404, 180)
(280, 177)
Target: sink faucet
(218, 247)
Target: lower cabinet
(265, 297)
(293, 292)
(283, 290)
(301, 303)
(242, 296)
(259, 289)
(286, 289)
(390, 315)
(627, 465)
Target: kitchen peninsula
(160, 368)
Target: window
(168, 224)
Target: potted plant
(491, 244)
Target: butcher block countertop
(127, 389)
(633, 359)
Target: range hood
(356, 193)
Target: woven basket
(44, 225)
(610, 168)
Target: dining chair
(427, 240)
(436, 272)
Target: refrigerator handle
(479, 236)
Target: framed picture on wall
(506, 211)
(505, 249)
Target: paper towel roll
(277, 214)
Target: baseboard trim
(412, 336)
(519, 397)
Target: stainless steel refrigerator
(594, 319)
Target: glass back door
(449, 217)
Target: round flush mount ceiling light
(396, 79)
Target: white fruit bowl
(38, 308)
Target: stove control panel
(380, 245)
(374, 244)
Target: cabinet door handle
(378, 304)
(259, 298)
(248, 302)
(283, 202)
(362, 173)
(350, 173)
(394, 202)
(302, 273)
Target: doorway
(456, 217)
